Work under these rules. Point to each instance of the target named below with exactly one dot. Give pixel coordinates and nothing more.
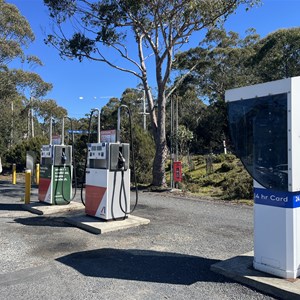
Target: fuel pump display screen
(258, 129)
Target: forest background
(195, 114)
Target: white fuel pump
(107, 194)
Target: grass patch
(224, 178)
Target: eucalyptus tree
(223, 61)
(15, 33)
(277, 55)
(158, 29)
(15, 36)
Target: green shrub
(144, 151)
(226, 167)
(17, 153)
(194, 188)
(223, 157)
(218, 158)
(239, 186)
(230, 181)
(187, 177)
(200, 159)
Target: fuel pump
(55, 186)
(107, 194)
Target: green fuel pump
(56, 172)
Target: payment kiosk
(265, 129)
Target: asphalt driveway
(42, 257)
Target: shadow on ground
(9, 190)
(43, 221)
(11, 207)
(12, 192)
(143, 265)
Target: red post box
(177, 171)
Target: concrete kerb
(41, 208)
(240, 269)
(98, 226)
(90, 224)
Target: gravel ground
(42, 257)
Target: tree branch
(181, 79)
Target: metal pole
(99, 128)
(177, 128)
(12, 124)
(50, 132)
(32, 124)
(63, 131)
(176, 124)
(119, 121)
(144, 113)
(31, 117)
(171, 175)
(119, 124)
(28, 123)
(224, 145)
(144, 100)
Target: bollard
(37, 174)
(14, 174)
(27, 186)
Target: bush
(144, 151)
(230, 181)
(17, 154)
(226, 167)
(200, 160)
(223, 157)
(194, 188)
(239, 186)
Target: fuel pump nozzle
(121, 161)
(63, 158)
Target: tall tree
(15, 36)
(226, 61)
(222, 61)
(277, 55)
(15, 33)
(158, 27)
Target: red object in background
(177, 171)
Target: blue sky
(96, 82)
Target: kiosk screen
(258, 129)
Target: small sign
(78, 131)
(108, 136)
(56, 140)
(276, 198)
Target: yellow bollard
(37, 174)
(27, 185)
(14, 174)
